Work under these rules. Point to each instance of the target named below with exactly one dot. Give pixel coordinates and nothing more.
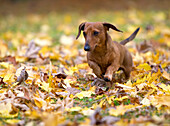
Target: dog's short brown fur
(105, 56)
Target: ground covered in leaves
(45, 78)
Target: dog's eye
(95, 33)
(84, 34)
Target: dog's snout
(87, 47)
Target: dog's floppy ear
(81, 27)
(108, 25)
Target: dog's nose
(87, 47)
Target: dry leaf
(32, 51)
(23, 76)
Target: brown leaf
(61, 94)
(10, 94)
(44, 76)
(60, 75)
(90, 77)
(10, 59)
(99, 82)
(42, 60)
(141, 119)
(26, 93)
(149, 27)
(23, 107)
(2, 82)
(144, 47)
(73, 90)
(155, 68)
(23, 76)
(32, 51)
(14, 109)
(101, 86)
(109, 120)
(96, 117)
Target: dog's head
(95, 34)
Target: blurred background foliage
(30, 19)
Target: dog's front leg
(96, 69)
(110, 70)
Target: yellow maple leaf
(7, 77)
(84, 94)
(5, 109)
(33, 114)
(138, 58)
(122, 98)
(71, 70)
(166, 88)
(20, 58)
(163, 100)
(82, 66)
(86, 122)
(166, 75)
(144, 66)
(45, 86)
(87, 111)
(7, 65)
(73, 109)
(39, 102)
(160, 100)
(120, 110)
(12, 121)
(121, 122)
(164, 65)
(110, 99)
(98, 97)
(102, 102)
(146, 102)
(125, 87)
(140, 80)
(129, 83)
(141, 86)
(4, 48)
(54, 119)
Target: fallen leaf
(10, 59)
(87, 111)
(74, 109)
(109, 120)
(119, 110)
(32, 51)
(144, 47)
(5, 109)
(96, 117)
(84, 94)
(22, 107)
(23, 76)
(12, 121)
(146, 102)
(144, 66)
(44, 76)
(54, 119)
(73, 90)
(66, 40)
(166, 75)
(60, 75)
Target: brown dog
(103, 55)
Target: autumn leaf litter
(41, 83)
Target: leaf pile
(45, 78)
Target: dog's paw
(106, 79)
